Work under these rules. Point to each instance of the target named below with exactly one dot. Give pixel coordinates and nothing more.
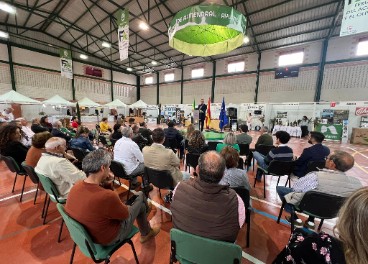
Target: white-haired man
(55, 165)
(56, 132)
(8, 114)
(27, 132)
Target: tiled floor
(23, 238)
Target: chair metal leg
(133, 249)
(47, 209)
(35, 198)
(61, 229)
(281, 209)
(15, 180)
(248, 226)
(24, 183)
(292, 219)
(44, 206)
(278, 181)
(72, 255)
(320, 225)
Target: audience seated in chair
(55, 165)
(109, 220)
(81, 140)
(26, 131)
(38, 147)
(197, 143)
(331, 180)
(44, 121)
(138, 138)
(56, 132)
(117, 132)
(173, 135)
(36, 126)
(10, 143)
(349, 246)
(104, 126)
(264, 139)
(203, 207)
(229, 140)
(145, 132)
(243, 137)
(233, 176)
(158, 157)
(282, 153)
(317, 152)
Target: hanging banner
(66, 63)
(355, 17)
(331, 132)
(123, 33)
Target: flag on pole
(208, 114)
(223, 117)
(194, 105)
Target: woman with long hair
(10, 143)
(44, 121)
(349, 246)
(197, 143)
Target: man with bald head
(55, 165)
(205, 208)
(331, 180)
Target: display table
(359, 136)
(214, 136)
(293, 131)
(93, 119)
(137, 119)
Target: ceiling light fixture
(129, 69)
(154, 62)
(82, 56)
(106, 44)
(4, 34)
(246, 40)
(143, 25)
(7, 8)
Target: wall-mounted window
(197, 73)
(148, 80)
(169, 77)
(362, 48)
(236, 66)
(293, 58)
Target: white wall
(5, 80)
(149, 94)
(3, 52)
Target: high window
(197, 73)
(236, 66)
(169, 77)
(148, 80)
(362, 48)
(291, 58)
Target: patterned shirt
(306, 183)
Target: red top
(75, 124)
(99, 210)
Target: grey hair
(56, 124)
(94, 160)
(54, 142)
(265, 128)
(126, 131)
(230, 138)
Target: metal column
(12, 75)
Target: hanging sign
(361, 111)
(122, 17)
(66, 63)
(332, 104)
(355, 17)
(330, 131)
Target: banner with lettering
(122, 17)
(66, 63)
(355, 17)
(361, 111)
(331, 132)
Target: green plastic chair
(97, 252)
(52, 194)
(188, 248)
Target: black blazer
(57, 133)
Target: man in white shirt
(127, 152)
(28, 133)
(8, 114)
(55, 165)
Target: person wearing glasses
(331, 180)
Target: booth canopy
(17, 98)
(86, 102)
(115, 103)
(58, 100)
(138, 104)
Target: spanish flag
(208, 114)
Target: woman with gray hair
(229, 140)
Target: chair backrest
(171, 143)
(315, 165)
(30, 172)
(192, 159)
(78, 233)
(264, 149)
(212, 145)
(118, 169)
(244, 194)
(161, 179)
(321, 205)
(189, 248)
(49, 186)
(12, 164)
(244, 149)
(281, 168)
(79, 153)
(103, 140)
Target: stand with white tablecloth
(293, 131)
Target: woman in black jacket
(10, 145)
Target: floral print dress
(311, 248)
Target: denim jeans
(282, 191)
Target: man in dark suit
(317, 152)
(57, 133)
(202, 114)
(145, 132)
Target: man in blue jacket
(317, 152)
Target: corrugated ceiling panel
(86, 22)
(56, 29)
(155, 14)
(176, 6)
(253, 6)
(19, 18)
(74, 10)
(35, 20)
(46, 5)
